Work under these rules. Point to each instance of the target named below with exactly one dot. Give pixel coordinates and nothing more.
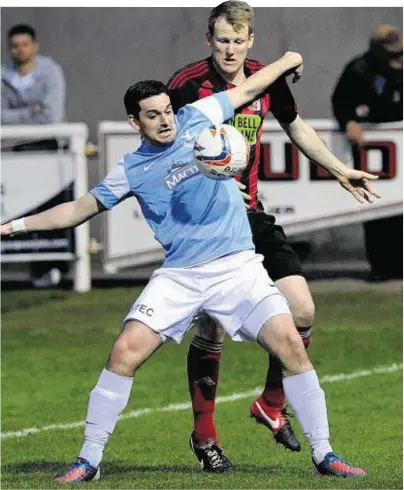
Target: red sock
(273, 393)
(203, 374)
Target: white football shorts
(235, 290)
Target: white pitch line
(220, 399)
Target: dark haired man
(33, 86)
(209, 263)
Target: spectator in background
(33, 91)
(370, 90)
(33, 88)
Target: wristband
(18, 225)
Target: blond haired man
(230, 36)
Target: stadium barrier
(303, 197)
(32, 181)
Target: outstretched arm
(310, 144)
(257, 84)
(66, 215)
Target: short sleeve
(217, 108)
(114, 188)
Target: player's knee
(119, 359)
(126, 356)
(296, 359)
(303, 314)
(280, 337)
(208, 328)
(122, 355)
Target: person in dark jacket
(370, 90)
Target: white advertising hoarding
(32, 181)
(302, 196)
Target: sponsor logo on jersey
(179, 171)
(248, 125)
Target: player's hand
(245, 196)
(6, 230)
(354, 133)
(297, 71)
(357, 183)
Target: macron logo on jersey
(178, 172)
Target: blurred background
(99, 62)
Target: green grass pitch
(55, 343)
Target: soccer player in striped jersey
(230, 36)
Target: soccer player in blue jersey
(210, 262)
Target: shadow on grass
(55, 467)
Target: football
(221, 152)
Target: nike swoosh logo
(273, 423)
(146, 167)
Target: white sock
(308, 402)
(107, 400)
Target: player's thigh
(297, 292)
(135, 344)
(168, 303)
(239, 301)
(283, 266)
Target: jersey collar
(218, 79)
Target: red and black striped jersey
(200, 79)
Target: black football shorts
(280, 260)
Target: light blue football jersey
(196, 219)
